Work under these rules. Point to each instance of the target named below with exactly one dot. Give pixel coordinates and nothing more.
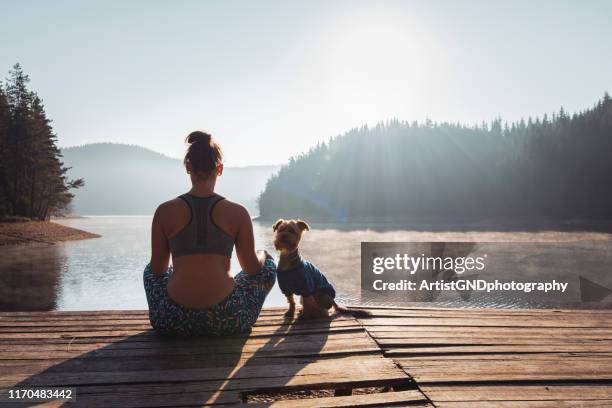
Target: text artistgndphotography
(430, 271)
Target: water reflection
(106, 273)
(30, 278)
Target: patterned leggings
(234, 314)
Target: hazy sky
(270, 79)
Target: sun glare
(376, 70)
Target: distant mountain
(131, 180)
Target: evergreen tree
(33, 178)
(5, 121)
(18, 141)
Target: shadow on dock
(109, 366)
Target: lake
(106, 272)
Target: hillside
(555, 167)
(131, 180)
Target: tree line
(559, 166)
(33, 181)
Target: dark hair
(203, 154)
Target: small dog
(298, 277)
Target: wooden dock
(399, 357)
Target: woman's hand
(263, 255)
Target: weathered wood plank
(272, 383)
(138, 363)
(489, 341)
(386, 398)
(125, 337)
(52, 326)
(246, 345)
(380, 367)
(266, 331)
(169, 399)
(505, 356)
(451, 331)
(485, 349)
(475, 312)
(326, 351)
(180, 343)
(528, 368)
(410, 331)
(525, 404)
(542, 321)
(501, 392)
(484, 310)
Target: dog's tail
(351, 311)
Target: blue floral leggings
(234, 314)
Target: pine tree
(49, 188)
(5, 118)
(18, 141)
(33, 177)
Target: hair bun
(199, 136)
(203, 154)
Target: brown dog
(299, 277)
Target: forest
(551, 167)
(33, 181)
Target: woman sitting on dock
(196, 294)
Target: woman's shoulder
(230, 216)
(172, 213)
(170, 216)
(232, 208)
(170, 205)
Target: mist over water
(106, 273)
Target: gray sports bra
(201, 235)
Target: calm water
(106, 273)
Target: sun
(375, 69)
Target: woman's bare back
(202, 280)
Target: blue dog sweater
(304, 280)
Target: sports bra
(201, 235)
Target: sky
(270, 79)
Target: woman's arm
(160, 252)
(250, 261)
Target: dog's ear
(276, 224)
(302, 225)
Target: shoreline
(440, 224)
(39, 232)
